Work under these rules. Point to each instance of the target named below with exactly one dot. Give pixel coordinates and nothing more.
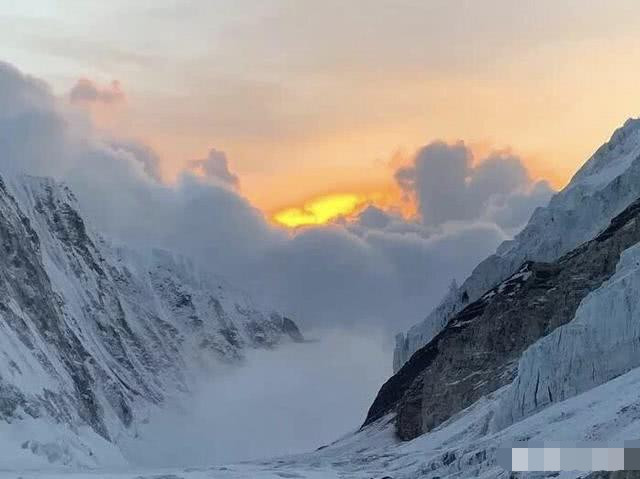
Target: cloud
(34, 134)
(319, 392)
(139, 153)
(437, 179)
(86, 91)
(448, 185)
(511, 211)
(373, 217)
(215, 167)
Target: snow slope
(94, 336)
(602, 188)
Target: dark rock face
(479, 349)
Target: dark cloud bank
(373, 276)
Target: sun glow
(321, 210)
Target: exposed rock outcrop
(479, 349)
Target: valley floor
(461, 448)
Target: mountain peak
(612, 158)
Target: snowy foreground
(460, 448)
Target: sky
(308, 99)
(342, 162)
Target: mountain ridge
(96, 334)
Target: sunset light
(380, 239)
(320, 210)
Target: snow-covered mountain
(547, 351)
(540, 343)
(95, 335)
(602, 188)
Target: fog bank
(290, 400)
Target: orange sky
(551, 106)
(315, 107)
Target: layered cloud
(379, 271)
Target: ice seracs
(600, 343)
